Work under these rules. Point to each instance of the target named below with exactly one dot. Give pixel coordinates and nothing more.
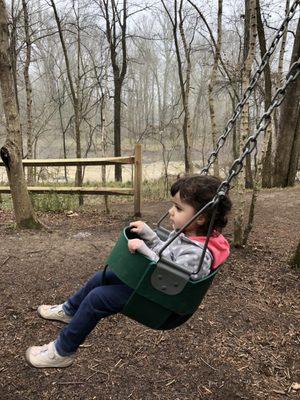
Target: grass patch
(53, 202)
(153, 190)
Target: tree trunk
(212, 83)
(13, 55)
(184, 80)
(78, 176)
(74, 95)
(187, 131)
(11, 152)
(103, 112)
(28, 88)
(78, 107)
(117, 129)
(279, 78)
(117, 45)
(288, 142)
(267, 162)
(295, 261)
(249, 52)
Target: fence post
(137, 186)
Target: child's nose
(171, 210)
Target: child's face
(180, 213)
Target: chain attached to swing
(235, 169)
(231, 123)
(251, 143)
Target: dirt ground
(243, 343)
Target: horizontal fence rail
(57, 162)
(135, 191)
(75, 190)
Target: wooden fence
(135, 191)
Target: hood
(217, 245)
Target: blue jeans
(88, 306)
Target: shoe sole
(27, 358)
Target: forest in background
(93, 78)
(49, 74)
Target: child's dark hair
(197, 191)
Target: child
(96, 300)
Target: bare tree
(177, 21)
(116, 27)
(74, 90)
(11, 152)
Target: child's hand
(140, 246)
(134, 245)
(137, 227)
(143, 230)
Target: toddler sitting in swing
(98, 299)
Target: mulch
(242, 344)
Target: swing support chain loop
(249, 89)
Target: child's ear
(201, 220)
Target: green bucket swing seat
(164, 296)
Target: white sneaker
(47, 357)
(55, 313)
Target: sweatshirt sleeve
(154, 242)
(146, 251)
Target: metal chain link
(231, 123)
(251, 143)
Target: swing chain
(237, 166)
(249, 146)
(222, 139)
(251, 143)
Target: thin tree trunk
(117, 128)
(184, 80)
(105, 96)
(211, 85)
(249, 57)
(279, 79)
(267, 162)
(78, 107)
(28, 88)
(235, 149)
(74, 98)
(187, 131)
(117, 45)
(11, 152)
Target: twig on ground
(69, 383)
(170, 383)
(34, 251)
(210, 366)
(5, 261)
